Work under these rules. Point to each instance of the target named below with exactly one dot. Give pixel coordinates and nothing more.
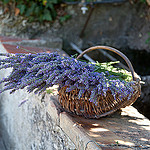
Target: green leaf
(143, 1)
(31, 18)
(64, 18)
(54, 1)
(40, 18)
(6, 1)
(37, 10)
(49, 91)
(53, 11)
(21, 8)
(47, 16)
(30, 10)
(49, 5)
(147, 41)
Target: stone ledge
(10, 39)
(31, 46)
(76, 133)
(53, 108)
(128, 128)
(68, 124)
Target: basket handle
(134, 75)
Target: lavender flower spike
(17, 47)
(39, 71)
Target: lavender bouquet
(39, 71)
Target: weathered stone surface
(124, 26)
(76, 133)
(30, 126)
(2, 146)
(127, 129)
(55, 43)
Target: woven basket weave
(106, 105)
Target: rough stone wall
(125, 25)
(30, 126)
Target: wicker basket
(106, 105)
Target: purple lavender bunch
(42, 70)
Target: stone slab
(31, 46)
(127, 129)
(24, 49)
(76, 133)
(53, 108)
(2, 146)
(10, 39)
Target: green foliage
(64, 18)
(148, 39)
(48, 91)
(143, 1)
(5, 1)
(35, 10)
(118, 73)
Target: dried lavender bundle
(42, 70)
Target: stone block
(76, 133)
(52, 107)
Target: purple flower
(22, 102)
(42, 70)
(17, 47)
